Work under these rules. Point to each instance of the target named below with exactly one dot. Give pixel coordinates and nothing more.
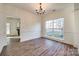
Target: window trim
(56, 28)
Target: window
(7, 28)
(55, 28)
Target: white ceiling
(49, 7)
(76, 6)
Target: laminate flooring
(39, 47)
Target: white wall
(76, 6)
(30, 23)
(69, 25)
(3, 40)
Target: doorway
(13, 29)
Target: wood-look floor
(40, 47)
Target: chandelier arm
(40, 10)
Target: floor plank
(40, 47)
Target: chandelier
(40, 10)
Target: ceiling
(76, 6)
(49, 7)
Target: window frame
(60, 29)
